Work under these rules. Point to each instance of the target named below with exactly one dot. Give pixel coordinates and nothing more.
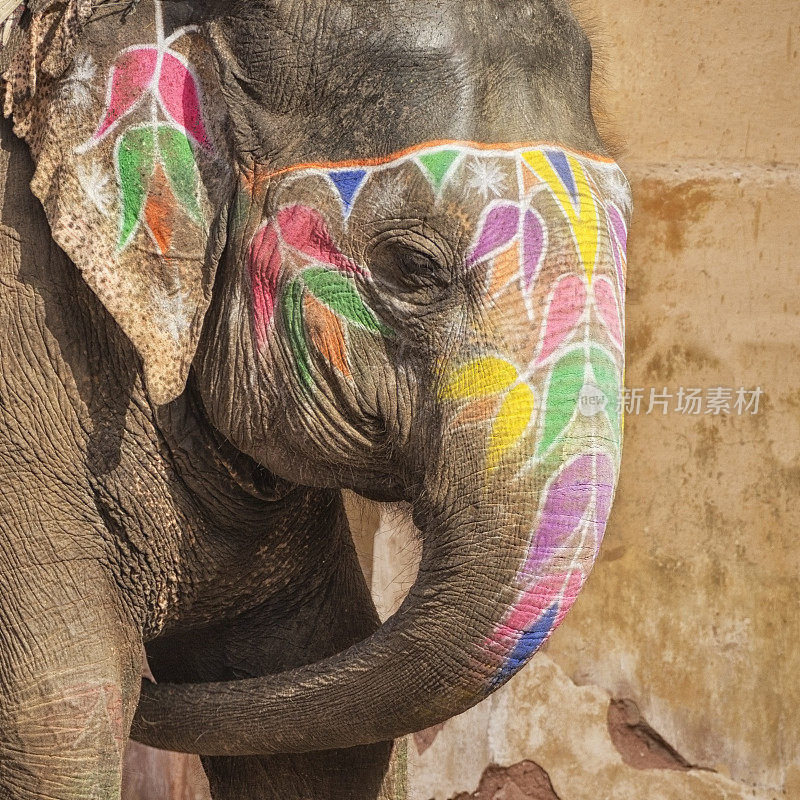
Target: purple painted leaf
(566, 308)
(618, 225)
(569, 500)
(619, 241)
(499, 228)
(180, 97)
(534, 240)
(129, 79)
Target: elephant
(255, 253)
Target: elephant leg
(328, 612)
(70, 663)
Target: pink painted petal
(569, 498)
(571, 592)
(304, 229)
(606, 303)
(499, 228)
(533, 603)
(264, 263)
(129, 79)
(180, 97)
(534, 241)
(566, 307)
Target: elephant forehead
(456, 181)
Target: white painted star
(77, 86)
(95, 185)
(173, 313)
(486, 177)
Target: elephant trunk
(489, 591)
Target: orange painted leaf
(326, 334)
(157, 210)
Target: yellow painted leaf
(510, 423)
(479, 378)
(569, 184)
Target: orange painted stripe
(381, 160)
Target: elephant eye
(420, 267)
(412, 265)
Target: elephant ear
(132, 165)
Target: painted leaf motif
(499, 228)
(618, 227)
(567, 180)
(338, 293)
(510, 423)
(157, 210)
(607, 377)
(477, 411)
(534, 243)
(304, 229)
(569, 498)
(130, 78)
(529, 622)
(528, 643)
(177, 158)
(566, 381)
(292, 312)
(264, 263)
(327, 335)
(504, 267)
(606, 302)
(566, 308)
(536, 599)
(135, 157)
(481, 377)
(619, 242)
(179, 96)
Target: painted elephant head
(389, 241)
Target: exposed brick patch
(638, 744)
(523, 781)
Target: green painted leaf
(437, 164)
(292, 311)
(607, 378)
(135, 157)
(566, 382)
(178, 158)
(338, 293)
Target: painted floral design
(155, 160)
(316, 303)
(494, 390)
(550, 245)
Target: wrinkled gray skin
(123, 522)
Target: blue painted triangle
(559, 162)
(347, 183)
